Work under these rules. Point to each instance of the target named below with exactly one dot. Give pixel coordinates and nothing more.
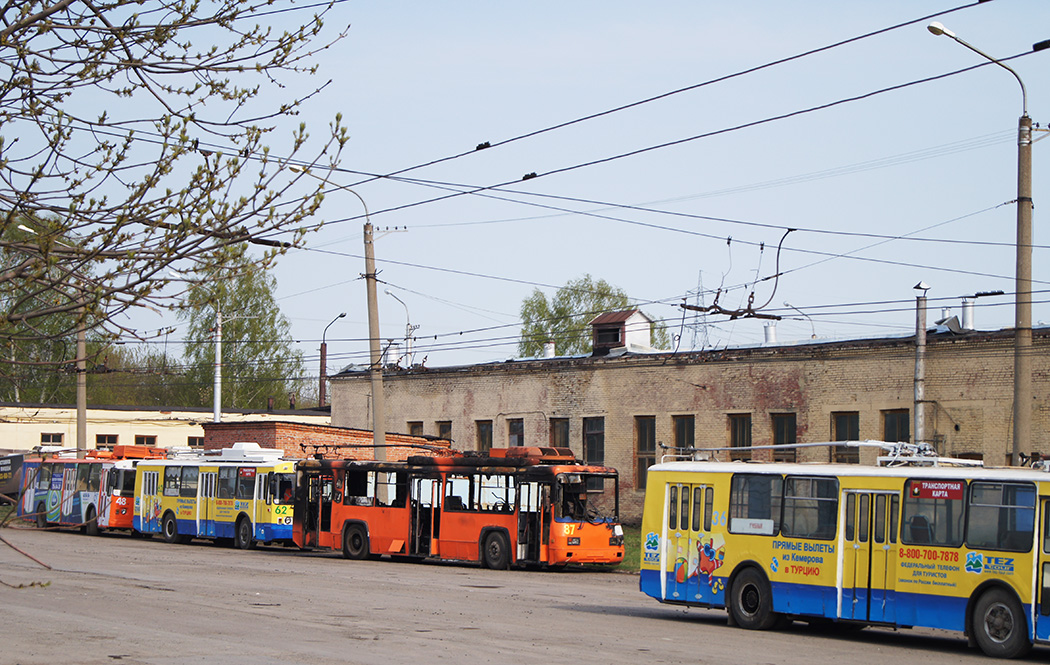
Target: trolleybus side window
(754, 504)
(357, 488)
(933, 512)
(709, 507)
(895, 507)
(1001, 516)
(83, 471)
(494, 494)
(171, 480)
(227, 482)
(95, 477)
(188, 486)
(457, 493)
(393, 486)
(246, 483)
(810, 507)
(43, 480)
(284, 486)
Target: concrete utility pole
(374, 352)
(217, 390)
(1023, 298)
(81, 391)
(920, 363)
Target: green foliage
(258, 359)
(564, 319)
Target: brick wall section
(969, 386)
(299, 440)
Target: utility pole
(217, 400)
(81, 390)
(920, 363)
(374, 351)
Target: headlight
(618, 530)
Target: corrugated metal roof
(614, 317)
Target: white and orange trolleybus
(242, 495)
(958, 548)
(94, 492)
(513, 506)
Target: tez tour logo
(974, 562)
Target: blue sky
(420, 81)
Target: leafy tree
(258, 361)
(564, 319)
(131, 141)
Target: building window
(105, 441)
(594, 449)
(608, 336)
(50, 439)
(195, 441)
(515, 432)
(559, 432)
(415, 428)
(484, 435)
(740, 435)
(895, 425)
(845, 426)
(784, 432)
(445, 429)
(684, 431)
(644, 446)
(145, 440)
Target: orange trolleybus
(515, 506)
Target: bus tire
(355, 542)
(751, 601)
(169, 528)
(244, 536)
(91, 523)
(495, 553)
(41, 516)
(999, 625)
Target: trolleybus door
(688, 522)
(1042, 614)
(425, 495)
(869, 547)
(206, 505)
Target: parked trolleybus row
(518, 506)
(915, 544)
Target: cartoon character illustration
(711, 559)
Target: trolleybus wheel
(751, 601)
(169, 529)
(999, 625)
(41, 516)
(355, 542)
(496, 552)
(244, 537)
(91, 523)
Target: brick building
(301, 440)
(620, 407)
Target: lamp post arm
(1024, 92)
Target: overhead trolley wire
(750, 70)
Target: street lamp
(812, 328)
(409, 329)
(374, 351)
(324, 360)
(1022, 416)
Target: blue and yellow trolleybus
(244, 495)
(919, 544)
